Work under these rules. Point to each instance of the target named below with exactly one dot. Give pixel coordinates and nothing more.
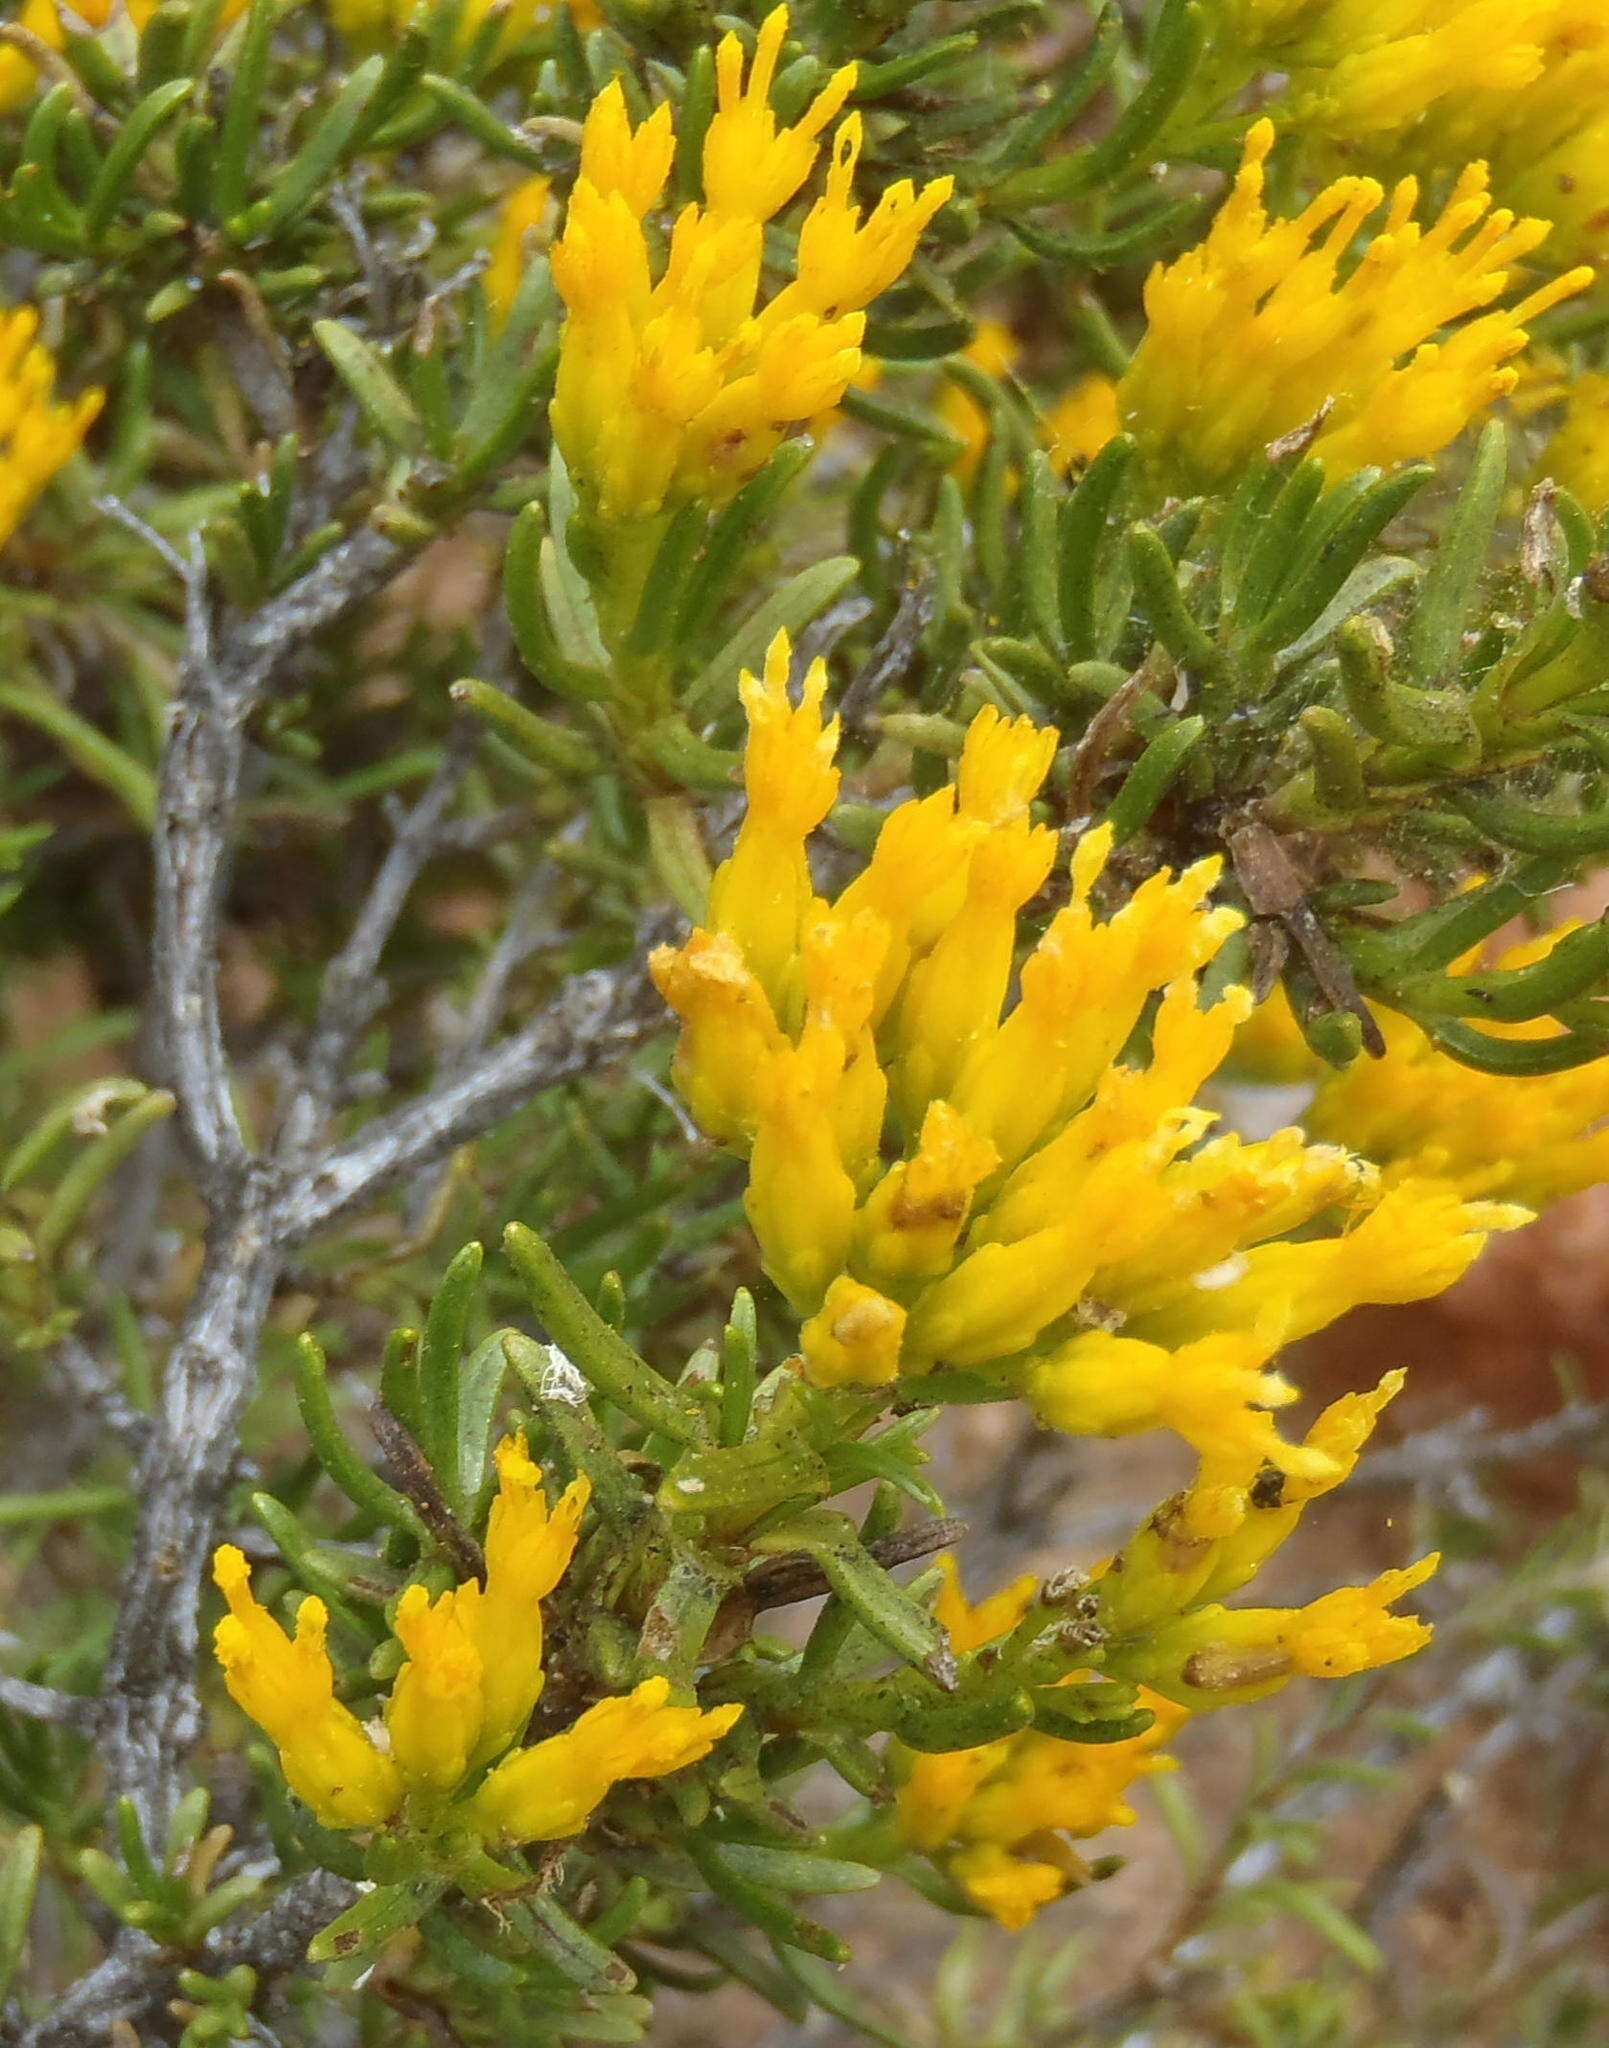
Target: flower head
(287, 1686)
(1521, 84)
(673, 383)
(1259, 330)
(38, 432)
(1217, 1655)
(1000, 1818)
(1531, 1138)
(1428, 1121)
(963, 1159)
(462, 1698)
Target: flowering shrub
(1054, 568)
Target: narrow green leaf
(363, 1487)
(798, 1871)
(441, 1352)
(386, 406)
(309, 171)
(19, 1880)
(1151, 777)
(87, 747)
(138, 131)
(1435, 639)
(799, 600)
(598, 1352)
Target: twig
(95, 1389)
(149, 1691)
(411, 1470)
(1457, 1448)
(44, 1703)
(134, 1982)
(594, 1018)
(518, 938)
(352, 989)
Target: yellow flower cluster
(461, 1701)
(1522, 83)
(1423, 1117)
(1161, 1598)
(1532, 1138)
(675, 386)
(50, 21)
(1258, 331)
(938, 1180)
(1000, 1818)
(38, 432)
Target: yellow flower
(941, 1176)
(1523, 84)
(1210, 1540)
(1365, 71)
(52, 21)
(995, 349)
(676, 385)
(1530, 1138)
(1216, 1656)
(1082, 421)
(1217, 1393)
(999, 1817)
(38, 433)
(461, 1700)
(520, 217)
(288, 1689)
(546, 1791)
(1257, 332)
(1578, 454)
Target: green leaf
(91, 1168)
(87, 747)
(309, 171)
(386, 406)
(760, 1906)
(386, 1911)
(1152, 775)
(787, 610)
(598, 1352)
(363, 1487)
(239, 129)
(441, 1351)
(799, 1871)
(138, 131)
(1435, 639)
(833, 1995)
(19, 1880)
